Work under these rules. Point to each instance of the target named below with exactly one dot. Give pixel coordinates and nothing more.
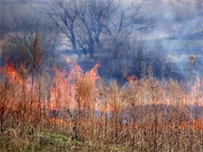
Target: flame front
(77, 90)
(9, 71)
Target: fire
(59, 92)
(68, 60)
(196, 124)
(130, 79)
(63, 93)
(76, 89)
(195, 95)
(9, 71)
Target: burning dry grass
(79, 112)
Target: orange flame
(131, 79)
(68, 60)
(62, 95)
(9, 71)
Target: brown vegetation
(143, 115)
(2, 110)
(45, 106)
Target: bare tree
(62, 14)
(120, 31)
(124, 22)
(93, 17)
(86, 22)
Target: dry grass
(79, 112)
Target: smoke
(176, 28)
(179, 29)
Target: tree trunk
(73, 41)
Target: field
(80, 75)
(78, 111)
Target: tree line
(107, 31)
